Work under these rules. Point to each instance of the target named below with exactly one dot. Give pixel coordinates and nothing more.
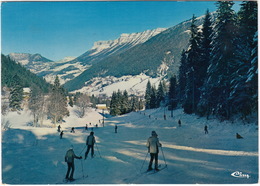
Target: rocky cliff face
(130, 39)
(103, 49)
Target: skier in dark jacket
(179, 122)
(59, 128)
(116, 129)
(153, 145)
(69, 158)
(206, 129)
(61, 134)
(90, 143)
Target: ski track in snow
(33, 155)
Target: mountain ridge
(102, 49)
(164, 49)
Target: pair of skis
(72, 180)
(154, 171)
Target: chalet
(101, 106)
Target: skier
(153, 145)
(116, 129)
(239, 136)
(90, 143)
(206, 129)
(69, 158)
(86, 127)
(59, 128)
(179, 122)
(61, 134)
(72, 130)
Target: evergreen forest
(218, 73)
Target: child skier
(90, 143)
(69, 158)
(153, 145)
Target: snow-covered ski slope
(36, 155)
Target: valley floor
(33, 155)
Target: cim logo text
(238, 174)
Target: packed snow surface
(34, 155)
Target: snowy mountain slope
(158, 55)
(101, 50)
(36, 155)
(132, 84)
(33, 62)
(28, 59)
(50, 69)
(70, 67)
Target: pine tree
(205, 51)
(247, 22)
(173, 92)
(182, 78)
(160, 97)
(16, 94)
(252, 79)
(113, 104)
(125, 103)
(206, 48)
(148, 93)
(153, 99)
(192, 93)
(222, 60)
(140, 104)
(134, 104)
(119, 102)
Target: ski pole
(164, 157)
(82, 169)
(144, 161)
(82, 150)
(98, 150)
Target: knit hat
(71, 147)
(154, 133)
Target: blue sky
(60, 29)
